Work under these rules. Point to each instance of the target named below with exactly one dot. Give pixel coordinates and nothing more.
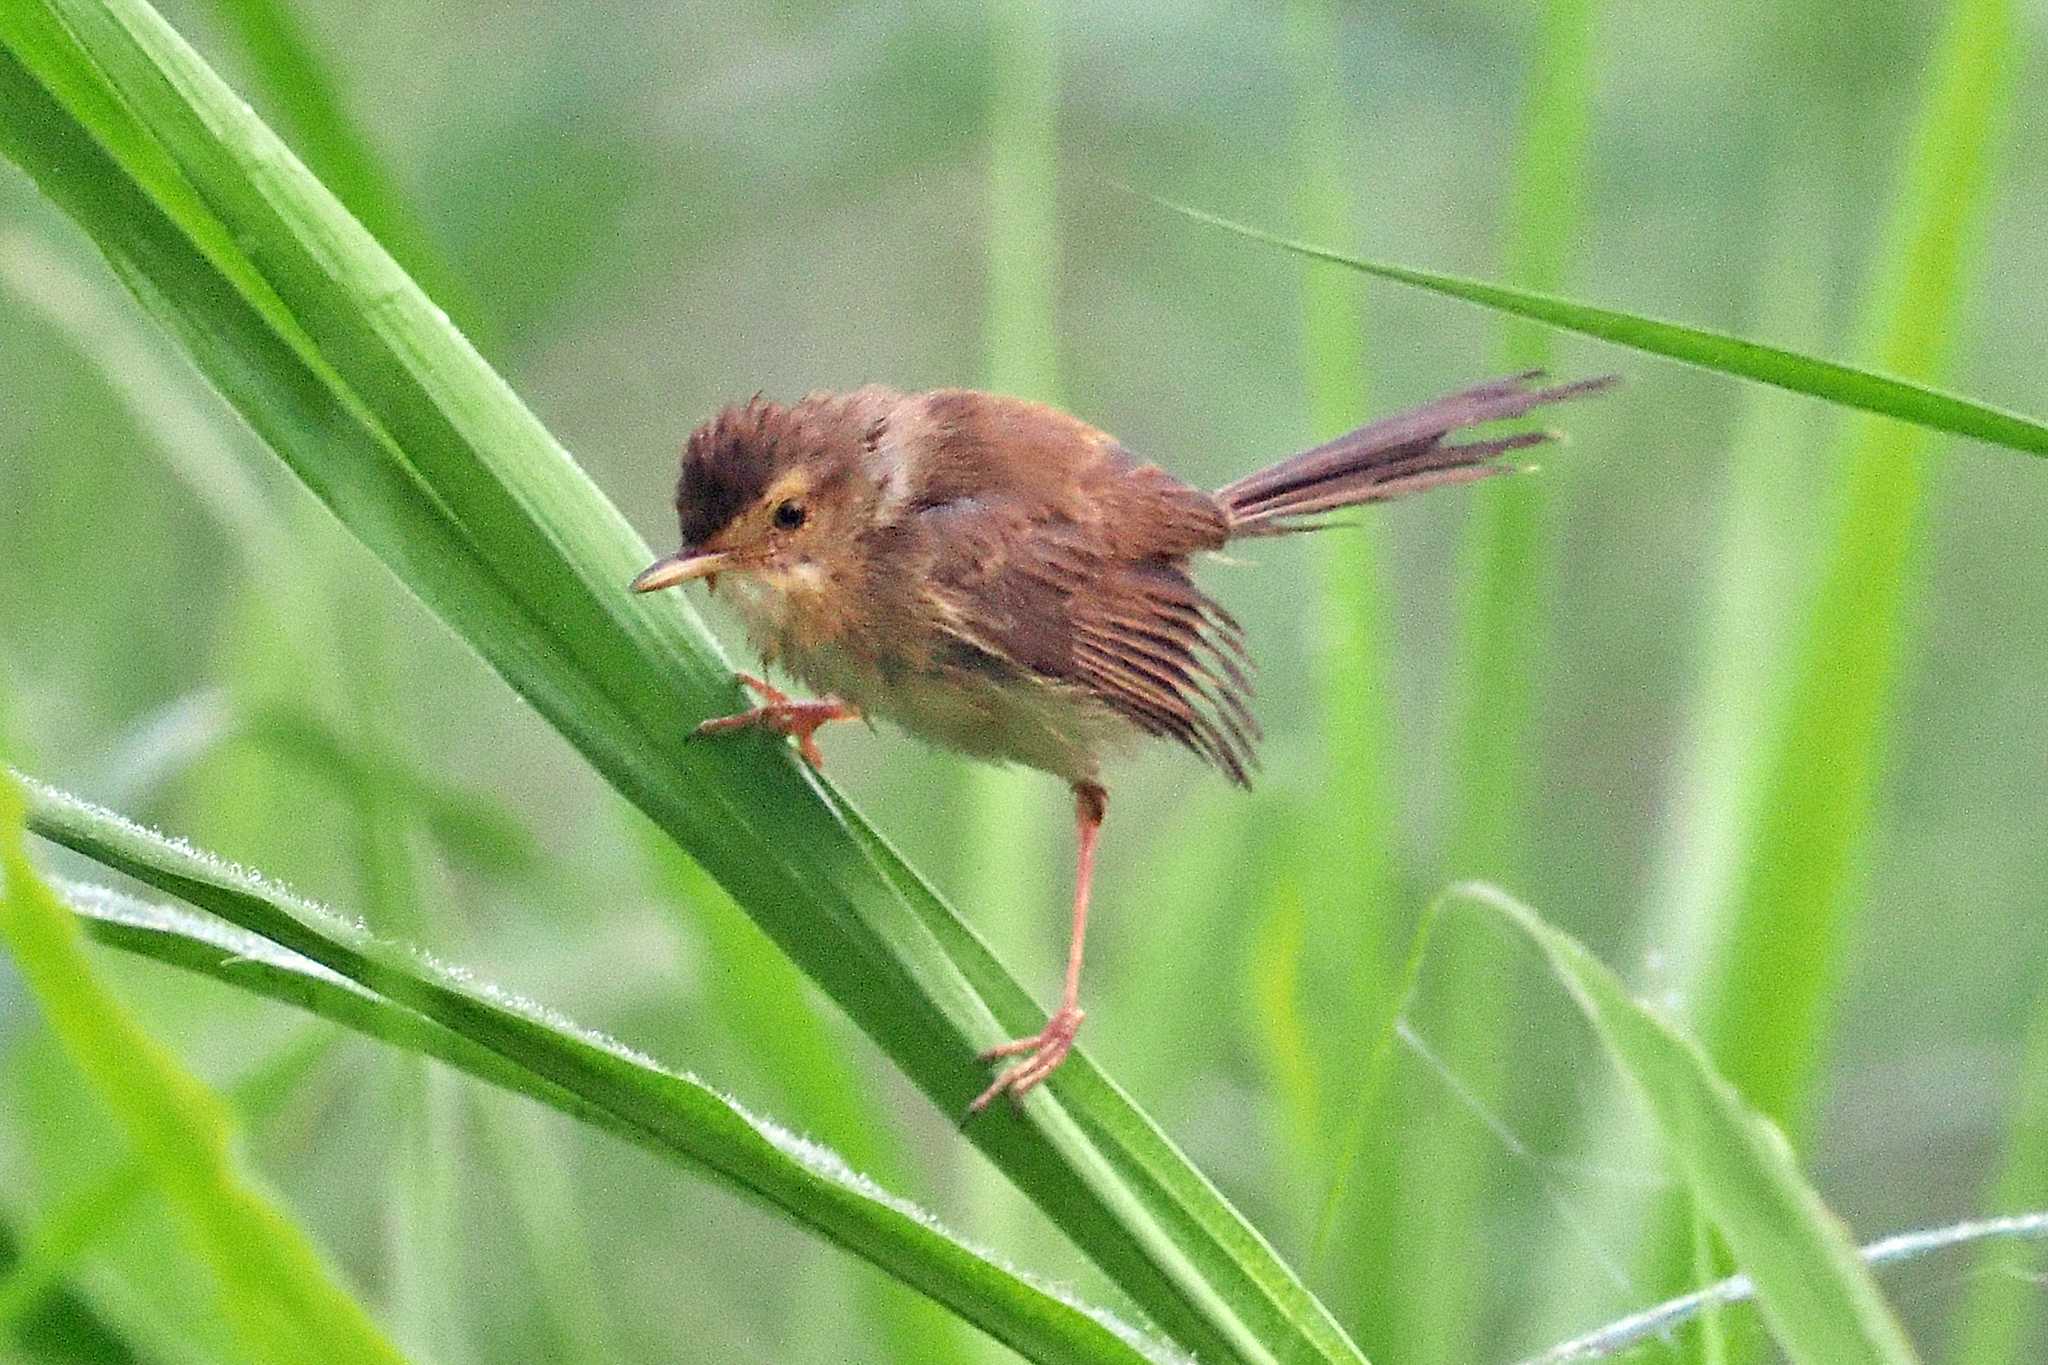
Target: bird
(999, 578)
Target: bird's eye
(789, 516)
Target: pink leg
(779, 712)
(1047, 1048)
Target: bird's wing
(1026, 584)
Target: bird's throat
(788, 609)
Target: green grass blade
(1790, 909)
(1851, 386)
(1816, 1293)
(1351, 911)
(65, 1233)
(275, 1287)
(1007, 814)
(1022, 328)
(292, 950)
(534, 1181)
(1506, 573)
(64, 1329)
(1764, 1014)
(1275, 1021)
(1652, 1323)
(1545, 211)
(355, 379)
(1714, 1348)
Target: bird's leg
(1046, 1049)
(785, 715)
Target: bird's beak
(680, 567)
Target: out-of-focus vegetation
(1737, 661)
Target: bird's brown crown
(728, 464)
(757, 448)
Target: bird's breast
(915, 680)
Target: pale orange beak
(680, 567)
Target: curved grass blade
(297, 952)
(1367, 1100)
(1639, 1328)
(1816, 1294)
(274, 1285)
(355, 379)
(1849, 386)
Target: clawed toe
(1042, 1052)
(784, 715)
(767, 691)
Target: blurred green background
(643, 211)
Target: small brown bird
(1002, 579)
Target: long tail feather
(1401, 454)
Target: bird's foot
(1043, 1052)
(785, 715)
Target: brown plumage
(1000, 578)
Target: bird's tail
(1397, 455)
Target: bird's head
(779, 494)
